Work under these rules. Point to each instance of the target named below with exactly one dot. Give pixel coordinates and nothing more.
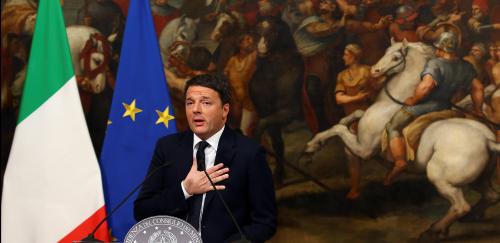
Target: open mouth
(198, 122)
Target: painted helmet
(447, 41)
(405, 12)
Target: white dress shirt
(210, 153)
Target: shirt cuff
(186, 194)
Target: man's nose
(196, 108)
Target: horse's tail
(494, 146)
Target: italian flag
(52, 189)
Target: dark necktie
(200, 155)
(194, 213)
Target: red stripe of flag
(85, 228)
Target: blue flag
(141, 113)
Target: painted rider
(442, 78)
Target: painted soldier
(479, 22)
(374, 40)
(477, 57)
(318, 38)
(492, 61)
(354, 92)
(445, 13)
(441, 79)
(405, 26)
(253, 12)
(239, 70)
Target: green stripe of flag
(49, 65)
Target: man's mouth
(198, 121)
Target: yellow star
(110, 122)
(131, 110)
(164, 117)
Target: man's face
(439, 52)
(205, 112)
(265, 6)
(247, 43)
(492, 51)
(476, 12)
(476, 52)
(305, 7)
(349, 58)
(327, 6)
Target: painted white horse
(78, 37)
(452, 152)
(179, 29)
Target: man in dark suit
(235, 163)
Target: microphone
(90, 238)
(243, 237)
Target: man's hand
(196, 182)
(478, 113)
(211, 16)
(455, 17)
(362, 95)
(411, 101)
(384, 22)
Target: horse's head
(185, 33)
(186, 30)
(94, 61)
(273, 35)
(227, 22)
(397, 57)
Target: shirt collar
(213, 140)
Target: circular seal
(162, 229)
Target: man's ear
(225, 110)
(226, 107)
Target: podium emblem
(162, 229)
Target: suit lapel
(185, 147)
(225, 154)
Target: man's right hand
(363, 94)
(196, 182)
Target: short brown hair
(215, 82)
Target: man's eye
(395, 58)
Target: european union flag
(141, 113)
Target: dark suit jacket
(249, 189)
